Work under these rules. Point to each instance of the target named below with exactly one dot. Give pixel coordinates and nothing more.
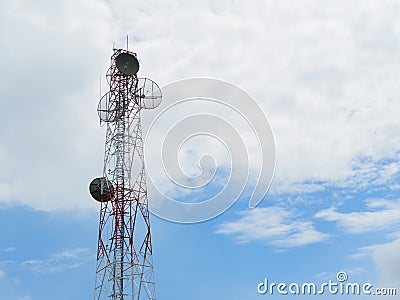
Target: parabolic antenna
(127, 64)
(149, 93)
(109, 109)
(101, 189)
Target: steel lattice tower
(124, 268)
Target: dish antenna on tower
(127, 63)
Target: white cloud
(325, 72)
(68, 259)
(53, 56)
(274, 225)
(386, 259)
(10, 249)
(71, 253)
(382, 214)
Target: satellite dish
(101, 189)
(127, 63)
(108, 108)
(149, 93)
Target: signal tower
(124, 268)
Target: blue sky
(326, 75)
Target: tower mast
(124, 267)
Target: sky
(325, 73)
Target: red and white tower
(124, 268)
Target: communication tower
(124, 267)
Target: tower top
(127, 63)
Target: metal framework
(124, 268)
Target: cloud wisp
(273, 225)
(381, 215)
(68, 259)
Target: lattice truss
(124, 268)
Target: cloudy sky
(324, 72)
